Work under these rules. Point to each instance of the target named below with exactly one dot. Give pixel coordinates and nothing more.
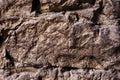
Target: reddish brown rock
(59, 40)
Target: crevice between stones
(3, 36)
(36, 6)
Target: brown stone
(59, 40)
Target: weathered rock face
(59, 40)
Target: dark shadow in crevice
(92, 2)
(67, 68)
(75, 6)
(71, 19)
(91, 57)
(88, 57)
(97, 13)
(1, 40)
(10, 58)
(36, 6)
(3, 36)
(115, 50)
(71, 8)
(64, 68)
(39, 78)
(118, 21)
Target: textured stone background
(59, 40)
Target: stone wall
(59, 40)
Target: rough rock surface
(59, 40)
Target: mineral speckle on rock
(59, 40)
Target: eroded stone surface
(67, 40)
